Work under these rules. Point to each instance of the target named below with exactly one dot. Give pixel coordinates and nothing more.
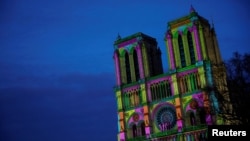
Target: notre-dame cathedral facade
(173, 105)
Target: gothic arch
(132, 50)
(181, 51)
(128, 68)
(191, 47)
(189, 102)
(136, 65)
(135, 118)
(122, 52)
(136, 125)
(175, 34)
(194, 113)
(185, 30)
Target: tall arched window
(136, 65)
(143, 129)
(127, 64)
(192, 118)
(202, 115)
(134, 130)
(182, 53)
(150, 60)
(191, 47)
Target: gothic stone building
(174, 105)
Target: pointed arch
(128, 70)
(191, 48)
(181, 51)
(122, 52)
(185, 30)
(175, 34)
(130, 49)
(136, 65)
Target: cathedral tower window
(127, 65)
(181, 50)
(191, 47)
(136, 65)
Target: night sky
(56, 66)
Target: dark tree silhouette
(238, 83)
(234, 97)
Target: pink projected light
(117, 69)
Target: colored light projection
(150, 103)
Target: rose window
(166, 118)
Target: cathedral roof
(136, 35)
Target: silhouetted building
(173, 105)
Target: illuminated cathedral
(175, 105)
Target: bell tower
(192, 43)
(191, 39)
(137, 58)
(178, 104)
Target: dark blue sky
(56, 66)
